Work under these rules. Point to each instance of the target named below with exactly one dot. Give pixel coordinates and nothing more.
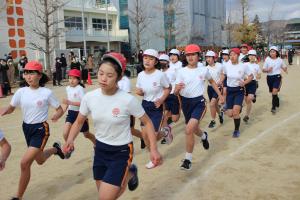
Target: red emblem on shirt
(201, 77)
(154, 84)
(115, 112)
(75, 95)
(39, 103)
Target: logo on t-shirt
(201, 77)
(154, 84)
(115, 112)
(75, 95)
(240, 72)
(39, 103)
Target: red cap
(235, 50)
(119, 58)
(74, 72)
(245, 45)
(34, 66)
(192, 48)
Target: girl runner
(190, 83)
(235, 72)
(75, 93)
(175, 64)
(252, 86)
(215, 69)
(34, 101)
(272, 66)
(110, 109)
(154, 86)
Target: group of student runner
(166, 88)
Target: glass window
(75, 23)
(100, 24)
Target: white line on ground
(236, 152)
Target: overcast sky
(283, 9)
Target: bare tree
(45, 26)
(174, 22)
(244, 9)
(139, 17)
(269, 24)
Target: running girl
(34, 101)
(272, 66)
(250, 94)
(175, 63)
(110, 109)
(215, 70)
(190, 83)
(154, 86)
(5, 150)
(172, 106)
(235, 72)
(75, 93)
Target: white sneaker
(150, 165)
(168, 134)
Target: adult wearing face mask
(63, 61)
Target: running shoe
(68, 154)
(168, 135)
(143, 145)
(150, 165)
(205, 142)
(212, 124)
(133, 182)
(246, 119)
(236, 134)
(221, 117)
(254, 99)
(186, 165)
(163, 141)
(273, 110)
(59, 151)
(14, 198)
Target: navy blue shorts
(235, 96)
(274, 82)
(36, 135)
(71, 118)
(155, 114)
(172, 104)
(193, 108)
(111, 163)
(212, 93)
(251, 88)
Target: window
(101, 2)
(100, 24)
(75, 23)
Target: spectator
(64, 65)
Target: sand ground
(264, 163)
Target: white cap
(151, 52)
(225, 51)
(175, 51)
(273, 48)
(252, 52)
(164, 57)
(210, 54)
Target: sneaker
(68, 154)
(163, 141)
(273, 110)
(246, 119)
(236, 134)
(186, 165)
(150, 165)
(133, 183)
(168, 134)
(143, 145)
(205, 142)
(221, 117)
(59, 151)
(212, 124)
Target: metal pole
(83, 28)
(107, 28)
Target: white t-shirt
(277, 64)
(1, 135)
(124, 84)
(254, 68)
(175, 66)
(215, 71)
(75, 94)
(171, 75)
(200, 64)
(152, 84)
(34, 103)
(111, 115)
(236, 73)
(194, 81)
